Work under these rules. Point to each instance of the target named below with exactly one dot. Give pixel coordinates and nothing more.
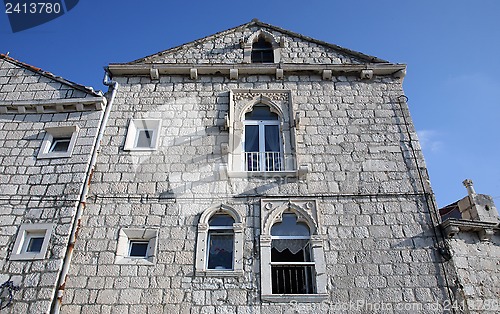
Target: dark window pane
(138, 248)
(34, 245)
(262, 51)
(252, 138)
(220, 250)
(272, 140)
(60, 144)
(144, 138)
(221, 220)
(289, 227)
(292, 279)
(261, 112)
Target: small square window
(60, 145)
(34, 243)
(136, 246)
(58, 142)
(138, 249)
(31, 242)
(144, 138)
(143, 134)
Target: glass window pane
(272, 139)
(221, 220)
(34, 245)
(261, 112)
(220, 250)
(144, 138)
(138, 248)
(60, 144)
(251, 138)
(289, 227)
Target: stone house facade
(255, 170)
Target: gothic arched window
(220, 244)
(262, 51)
(292, 265)
(262, 146)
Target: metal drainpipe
(57, 302)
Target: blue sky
(452, 49)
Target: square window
(136, 246)
(144, 138)
(58, 142)
(138, 249)
(32, 242)
(143, 135)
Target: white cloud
(429, 140)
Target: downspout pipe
(57, 300)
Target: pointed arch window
(219, 245)
(262, 141)
(292, 266)
(262, 51)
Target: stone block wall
(354, 135)
(34, 190)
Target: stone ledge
(287, 298)
(219, 273)
(53, 105)
(256, 69)
(485, 230)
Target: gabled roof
(85, 89)
(255, 22)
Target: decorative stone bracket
(485, 230)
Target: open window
(292, 266)
(262, 51)
(292, 258)
(219, 247)
(262, 47)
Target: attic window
(262, 51)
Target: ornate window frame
(306, 212)
(201, 268)
(242, 101)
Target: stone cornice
(53, 105)
(485, 230)
(193, 70)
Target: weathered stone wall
(34, 191)
(478, 267)
(225, 48)
(378, 238)
(18, 83)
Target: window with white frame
(58, 142)
(143, 134)
(136, 246)
(32, 242)
(219, 246)
(262, 147)
(292, 258)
